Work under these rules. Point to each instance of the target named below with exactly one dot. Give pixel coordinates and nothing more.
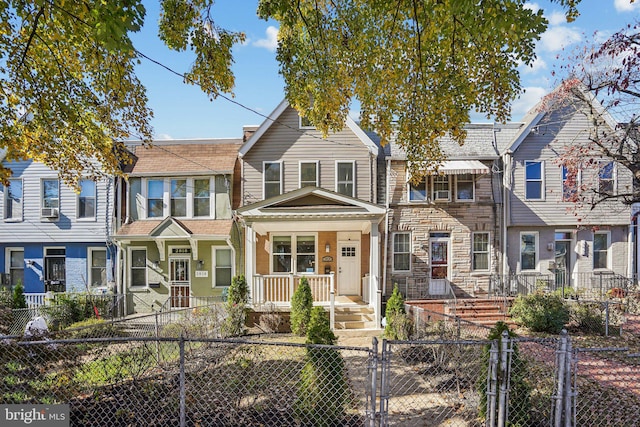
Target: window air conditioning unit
(49, 212)
(442, 195)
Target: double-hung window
(441, 188)
(138, 270)
(418, 192)
(223, 201)
(87, 199)
(13, 200)
(569, 183)
(465, 187)
(179, 197)
(480, 256)
(606, 177)
(294, 254)
(15, 260)
(50, 201)
(345, 178)
(201, 197)
(97, 267)
(223, 266)
(534, 180)
(601, 243)
(402, 252)
(528, 251)
(308, 174)
(155, 198)
(272, 175)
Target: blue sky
(182, 111)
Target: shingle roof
(198, 227)
(170, 158)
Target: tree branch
(31, 35)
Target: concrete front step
(354, 325)
(354, 318)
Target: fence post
(183, 392)
(457, 327)
(561, 382)
(332, 309)
(384, 384)
(492, 385)
(157, 335)
(606, 318)
(373, 369)
(504, 378)
(568, 390)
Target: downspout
(386, 228)
(506, 202)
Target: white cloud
(626, 5)
(557, 38)
(527, 100)
(163, 136)
(536, 66)
(557, 18)
(533, 6)
(271, 41)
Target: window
(569, 183)
(87, 199)
(50, 193)
(15, 261)
(305, 123)
(345, 178)
(302, 249)
(308, 174)
(402, 252)
(441, 188)
(272, 179)
(138, 267)
(223, 266)
(55, 269)
(97, 267)
(179, 197)
(528, 251)
(201, 197)
(601, 243)
(465, 187)
(418, 192)
(13, 200)
(606, 177)
(223, 203)
(533, 178)
(480, 256)
(155, 196)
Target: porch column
(250, 257)
(374, 270)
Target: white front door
(349, 268)
(180, 282)
(439, 265)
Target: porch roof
(149, 229)
(459, 167)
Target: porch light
(200, 264)
(327, 248)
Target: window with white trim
(569, 183)
(401, 252)
(155, 198)
(50, 193)
(15, 263)
(534, 180)
(202, 197)
(223, 201)
(308, 174)
(528, 251)
(13, 199)
(480, 252)
(418, 192)
(601, 247)
(272, 175)
(465, 187)
(87, 199)
(138, 263)
(97, 262)
(179, 197)
(305, 123)
(606, 177)
(441, 188)
(345, 178)
(286, 249)
(222, 266)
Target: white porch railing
(36, 299)
(279, 288)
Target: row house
(54, 237)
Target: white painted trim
(130, 249)
(489, 252)
(543, 191)
(264, 181)
(302, 162)
(537, 251)
(353, 171)
(393, 252)
(215, 248)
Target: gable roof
(188, 157)
(171, 227)
(281, 108)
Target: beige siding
(285, 142)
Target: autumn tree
(69, 93)
(604, 78)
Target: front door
(349, 268)
(439, 267)
(180, 283)
(564, 241)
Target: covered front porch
(331, 239)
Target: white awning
(459, 167)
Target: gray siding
(66, 228)
(285, 142)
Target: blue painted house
(52, 237)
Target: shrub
(18, 300)
(69, 309)
(236, 306)
(540, 312)
(519, 389)
(322, 389)
(398, 325)
(301, 304)
(93, 328)
(588, 318)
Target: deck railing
(279, 288)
